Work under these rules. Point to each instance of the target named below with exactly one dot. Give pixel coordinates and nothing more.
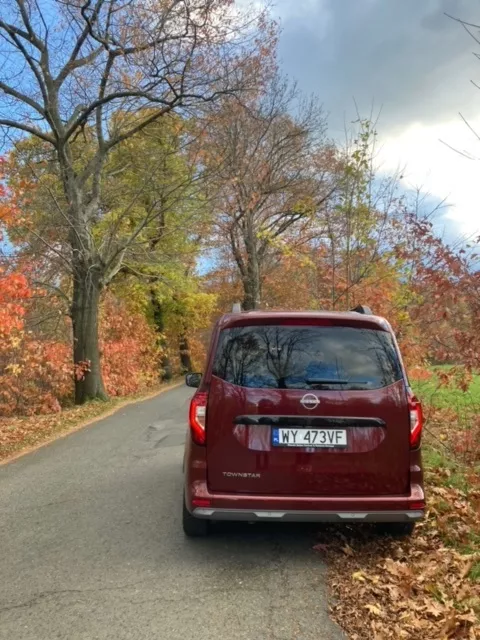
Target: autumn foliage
(390, 589)
(37, 374)
(131, 166)
(130, 355)
(32, 372)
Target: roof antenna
(237, 307)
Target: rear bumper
(203, 503)
(307, 516)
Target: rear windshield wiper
(326, 381)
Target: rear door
(275, 388)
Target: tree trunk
(184, 350)
(86, 354)
(252, 284)
(166, 372)
(251, 297)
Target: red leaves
(130, 354)
(14, 291)
(37, 374)
(80, 369)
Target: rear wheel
(396, 529)
(193, 527)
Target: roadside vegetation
(427, 586)
(20, 434)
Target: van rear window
(307, 357)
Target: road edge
(89, 423)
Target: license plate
(317, 438)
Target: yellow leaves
(358, 575)
(15, 341)
(374, 609)
(304, 207)
(306, 262)
(14, 369)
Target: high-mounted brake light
(197, 416)
(416, 422)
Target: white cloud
(407, 57)
(439, 170)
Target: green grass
(432, 393)
(470, 547)
(434, 458)
(475, 572)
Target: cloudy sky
(407, 58)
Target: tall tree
(68, 66)
(155, 170)
(356, 228)
(261, 154)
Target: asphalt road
(91, 546)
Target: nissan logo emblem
(309, 401)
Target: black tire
(193, 527)
(396, 529)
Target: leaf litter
(418, 588)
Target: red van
(303, 417)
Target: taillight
(201, 502)
(198, 413)
(416, 422)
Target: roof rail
(363, 309)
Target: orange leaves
(37, 374)
(419, 373)
(421, 588)
(80, 369)
(130, 354)
(14, 291)
(12, 198)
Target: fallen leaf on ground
(358, 575)
(373, 609)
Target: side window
(286, 357)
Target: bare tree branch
(105, 71)
(33, 131)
